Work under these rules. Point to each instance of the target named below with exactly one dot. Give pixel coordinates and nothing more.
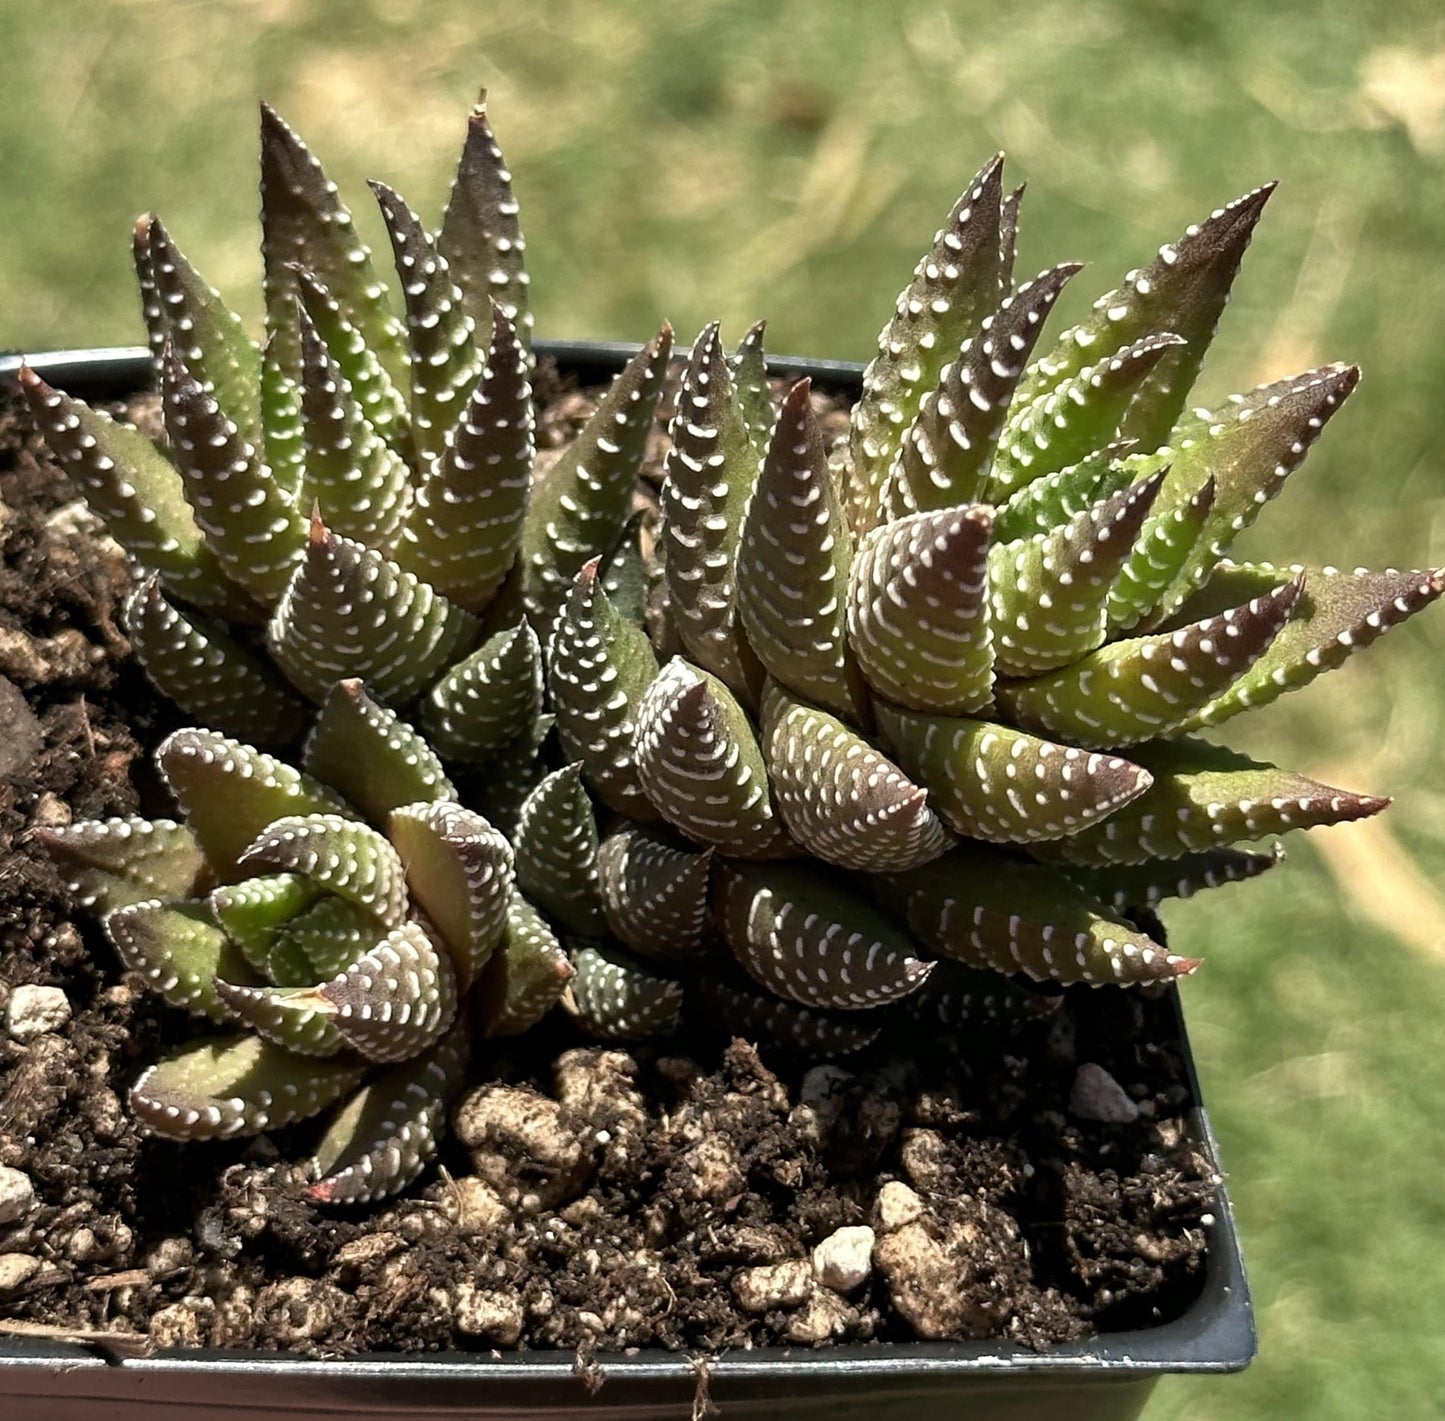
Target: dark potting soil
(591, 1199)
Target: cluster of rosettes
(853, 726)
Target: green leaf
(283, 430)
(619, 998)
(1050, 501)
(230, 792)
(480, 236)
(748, 366)
(1184, 290)
(180, 951)
(215, 1090)
(583, 502)
(350, 612)
(710, 471)
(556, 853)
(985, 909)
(945, 457)
(524, 978)
(956, 284)
(489, 700)
(138, 494)
(654, 892)
(841, 799)
(1129, 887)
(208, 673)
(1337, 614)
(1049, 594)
(802, 935)
(460, 873)
(1075, 417)
(109, 863)
(445, 358)
(1202, 797)
(918, 610)
(959, 999)
(305, 224)
(700, 763)
(250, 525)
(598, 671)
(1148, 687)
(280, 1015)
(792, 568)
(253, 912)
(464, 528)
(1170, 553)
(382, 1138)
(367, 753)
(345, 857)
(1002, 785)
(761, 1017)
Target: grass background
(773, 157)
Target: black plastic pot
(1108, 1377)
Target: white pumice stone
(17, 1195)
(845, 1258)
(35, 1010)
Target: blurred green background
(766, 157)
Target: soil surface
(589, 1199)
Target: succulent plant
(889, 729)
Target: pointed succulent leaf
(253, 911)
(987, 910)
(1337, 614)
(445, 359)
(959, 998)
(801, 934)
(180, 950)
(1148, 687)
(1075, 417)
(1008, 235)
(344, 856)
(654, 892)
(208, 673)
(501, 785)
(1049, 594)
(218, 1089)
(383, 1137)
(1184, 290)
(460, 873)
(139, 496)
(918, 617)
(487, 701)
(350, 612)
(464, 528)
(108, 863)
(393, 1002)
(1203, 796)
(624, 572)
(231, 792)
(152, 309)
(283, 428)
(1131, 887)
(582, 504)
(1250, 446)
(956, 284)
(759, 1016)
(993, 782)
(324, 940)
(245, 517)
(305, 224)
(556, 853)
(1050, 501)
(618, 997)
(946, 455)
(841, 799)
(699, 761)
(481, 238)
(792, 568)
(360, 483)
(1170, 553)
(207, 337)
(710, 470)
(379, 400)
(277, 1014)
(524, 978)
(372, 757)
(598, 671)
(748, 366)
